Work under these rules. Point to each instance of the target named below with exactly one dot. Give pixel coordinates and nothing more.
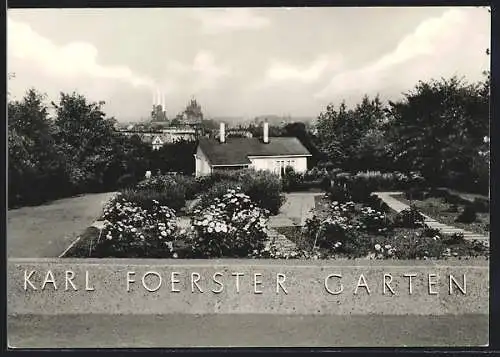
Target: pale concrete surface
(47, 230)
(398, 206)
(304, 291)
(127, 331)
(280, 242)
(295, 210)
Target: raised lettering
(327, 286)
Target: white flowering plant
(373, 221)
(231, 226)
(132, 231)
(383, 251)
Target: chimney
(222, 133)
(265, 137)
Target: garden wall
(289, 287)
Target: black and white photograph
(248, 177)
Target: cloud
(203, 72)
(76, 59)
(215, 21)
(280, 71)
(424, 47)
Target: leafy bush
(291, 180)
(218, 189)
(335, 233)
(126, 181)
(190, 184)
(367, 182)
(413, 245)
(373, 221)
(338, 193)
(171, 196)
(468, 215)
(265, 189)
(481, 205)
(454, 238)
(232, 226)
(430, 232)
(377, 203)
(132, 231)
(409, 218)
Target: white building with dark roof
(273, 154)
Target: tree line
(75, 150)
(438, 129)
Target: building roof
(235, 151)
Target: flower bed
(230, 226)
(354, 230)
(264, 188)
(450, 213)
(133, 231)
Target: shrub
(377, 203)
(340, 233)
(232, 226)
(468, 215)
(412, 245)
(338, 193)
(265, 189)
(431, 232)
(481, 205)
(409, 218)
(190, 184)
(126, 181)
(132, 231)
(373, 221)
(415, 194)
(454, 238)
(173, 197)
(218, 189)
(291, 180)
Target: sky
(241, 62)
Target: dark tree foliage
(77, 151)
(439, 129)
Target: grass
(443, 212)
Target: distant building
(192, 115)
(272, 154)
(158, 138)
(157, 143)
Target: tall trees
(35, 163)
(352, 137)
(76, 151)
(438, 128)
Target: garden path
(294, 212)
(45, 231)
(296, 209)
(398, 206)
